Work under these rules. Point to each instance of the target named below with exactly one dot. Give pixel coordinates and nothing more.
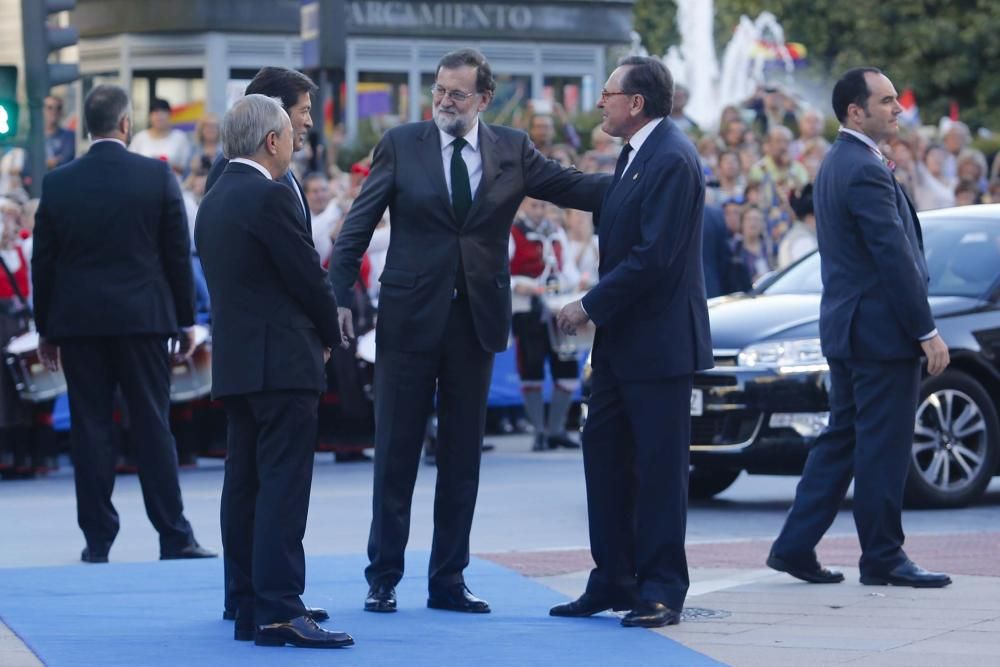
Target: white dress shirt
(256, 165)
(639, 138)
(470, 153)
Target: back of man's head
(283, 83)
(104, 109)
(247, 124)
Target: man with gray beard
(452, 187)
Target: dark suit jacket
(111, 250)
(649, 306)
(418, 281)
(220, 165)
(716, 256)
(874, 302)
(273, 311)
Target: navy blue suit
(873, 314)
(716, 256)
(652, 335)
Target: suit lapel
(630, 177)
(429, 153)
(301, 194)
(489, 153)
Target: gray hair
(247, 124)
(105, 107)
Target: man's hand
(182, 347)
(326, 354)
(49, 354)
(346, 321)
(937, 354)
(572, 316)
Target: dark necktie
(622, 162)
(461, 190)
(290, 181)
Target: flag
(911, 113)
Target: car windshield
(963, 258)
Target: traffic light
(42, 39)
(9, 110)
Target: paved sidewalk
(747, 616)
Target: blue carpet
(169, 613)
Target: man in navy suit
(874, 324)
(112, 283)
(295, 91)
(652, 335)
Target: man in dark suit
(874, 323)
(652, 335)
(295, 91)
(112, 282)
(274, 321)
(452, 187)
(716, 255)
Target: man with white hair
(274, 321)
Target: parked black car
(765, 400)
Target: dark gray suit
(428, 341)
(873, 313)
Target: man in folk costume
(540, 264)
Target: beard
(454, 124)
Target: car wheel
(956, 442)
(707, 481)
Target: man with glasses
(652, 335)
(452, 187)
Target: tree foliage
(945, 50)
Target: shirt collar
(103, 139)
(256, 165)
(642, 134)
(472, 137)
(864, 138)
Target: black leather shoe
(907, 574)
(586, 605)
(381, 598)
(651, 615)
(814, 575)
(244, 630)
(88, 556)
(302, 632)
(190, 551)
(457, 598)
(563, 440)
(315, 613)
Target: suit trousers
(140, 366)
(872, 407)
(405, 383)
(635, 455)
(271, 443)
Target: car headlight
(803, 355)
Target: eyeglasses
(605, 94)
(454, 95)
